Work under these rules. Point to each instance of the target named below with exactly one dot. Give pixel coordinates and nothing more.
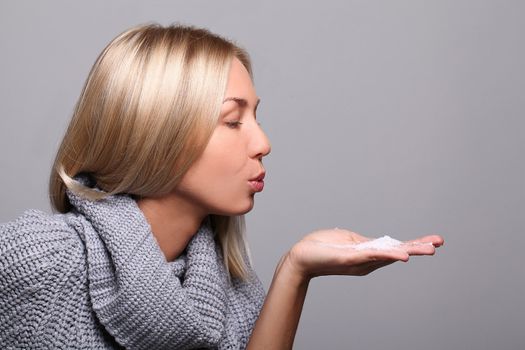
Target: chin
(241, 210)
(244, 210)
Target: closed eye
(233, 125)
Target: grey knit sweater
(95, 278)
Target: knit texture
(96, 278)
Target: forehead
(239, 82)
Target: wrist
(289, 271)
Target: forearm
(277, 323)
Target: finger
(353, 237)
(379, 264)
(370, 267)
(363, 269)
(426, 248)
(373, 255)
(435, 240)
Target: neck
(173, 222)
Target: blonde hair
(146, 112)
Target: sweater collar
(141, 299)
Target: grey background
(385, 117)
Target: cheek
(218, 188)
(226, 167)
(218, 180)
(225, 156)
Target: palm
(331, 252)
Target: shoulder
(36, 235)
(43, 281)
(38, 250)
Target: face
(219, 182)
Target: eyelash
(233, 125)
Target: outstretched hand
(333, 252)
(323, 252)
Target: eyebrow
(241, 101)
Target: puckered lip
(259, 177)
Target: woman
(162, 158)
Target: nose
(260, 144)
